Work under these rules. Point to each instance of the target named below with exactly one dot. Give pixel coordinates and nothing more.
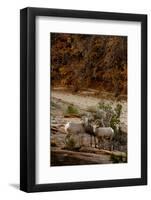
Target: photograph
(83, 99)
(88, 99)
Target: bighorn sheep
(103, 133)
(72, 128)
(89, 129)
(79, 128)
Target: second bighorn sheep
(103, 133)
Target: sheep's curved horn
(97, 121)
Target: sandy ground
(87, 101)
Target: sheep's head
(87, 120)
(95, 126)
(99, 123)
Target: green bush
(106, 107)
(71, 110)
(112, 115)
(119, 158)
(118, 110)
(70, 142)
(115, 120)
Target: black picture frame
(28, 99)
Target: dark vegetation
(96, 61)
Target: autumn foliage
(89, 61)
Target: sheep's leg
(102, 141)
(80, 140)
(99, 143)
(91, 140)
(111, 144)
(95, 142)
(111, 149)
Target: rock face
(61, 157)
(85, 156)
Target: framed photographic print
(83, 99)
